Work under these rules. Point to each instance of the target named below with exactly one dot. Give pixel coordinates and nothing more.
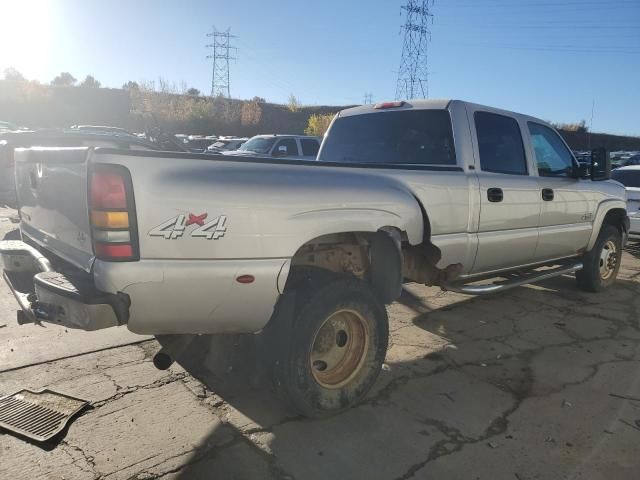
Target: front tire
(337, 344)
(602, 262)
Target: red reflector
(383, 105)
(110, 251)
(245, 279)
(108, 191)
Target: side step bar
(486, 289)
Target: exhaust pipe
(172, 347)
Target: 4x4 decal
(177, 226)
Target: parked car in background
(584, 158)
(73, 137)
(631, 160)
(629, 176)
(293, 147)
(105, 129)
(226, 144)
(199, 144)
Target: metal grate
(38, 415)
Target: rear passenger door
(310, 147)
(286, 147)
(510, 199)
(568, 203)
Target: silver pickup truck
(306, 253)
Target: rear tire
(336, 345)
(602, 262)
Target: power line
(368, 98)
(220, 75)
(413, 74)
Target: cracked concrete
(540, 383)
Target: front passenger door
(567, 204)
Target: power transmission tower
(368, 98)
(220, 77)
(413, 73)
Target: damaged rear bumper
(45, 295)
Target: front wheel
(337, 344)
(601, 264)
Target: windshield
(258, 145)
(629, 178)
(407, 137)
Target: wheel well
(374, 257)
(616, 217)
(384, 259)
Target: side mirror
(600, 165)
(583, 171)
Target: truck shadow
(457, 367)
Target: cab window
(553, 158)
(286, 146)
(500, 144)
(309, 147)
(391, 137)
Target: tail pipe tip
(162, 360)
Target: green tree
(13, 75)
(65, 79)
(258, 100)
(90, 82)
(318, 124)
(293, 105)
(193, 91)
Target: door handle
(547, 194)
(495, 195)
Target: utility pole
(413, 73)
(593, 106)
(220, 77)
(368, 98)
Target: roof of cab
(435, 104)
(411, 104)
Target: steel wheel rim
(608, 260)
(339, 348)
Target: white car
(630, 177)
(291, 147)
(226, 144)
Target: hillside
(37, 106)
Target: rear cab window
(400, 137)
(500, 144)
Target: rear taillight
(113, 214)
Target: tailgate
(52, 197)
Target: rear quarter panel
(271, 209)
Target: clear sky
(547, 58)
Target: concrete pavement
(542, 382)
